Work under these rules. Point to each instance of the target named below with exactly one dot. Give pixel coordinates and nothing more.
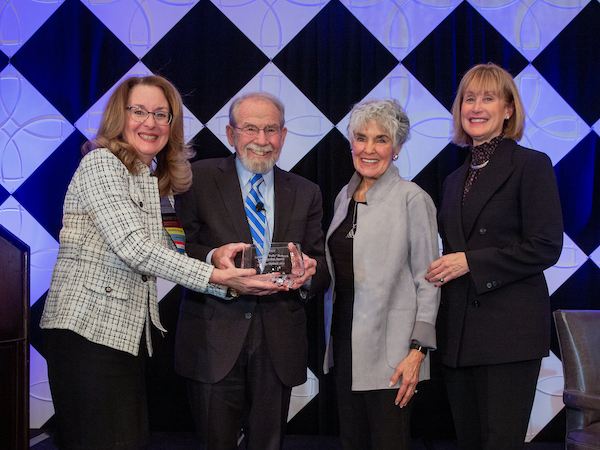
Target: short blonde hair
(493, 78)
(173, 167)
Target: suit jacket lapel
(231, 195)
(285, 196)
(488, 182)
(452, 206)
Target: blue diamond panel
(574, 74)
(207, 67)
(579, 189)
(3, 195)
(439, 61)
(73, 59)
(315, 54)
(431, 178)
(332, 151)
(3, 61)
(43, 193)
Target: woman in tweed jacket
(113, 245)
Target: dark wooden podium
(14, 342)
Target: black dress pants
(250, 399)
(99, 393)
(368, 419)
(491, 404)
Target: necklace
(350, 234)
(479, 166)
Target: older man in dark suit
(243, 356)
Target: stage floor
(186, 441)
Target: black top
(341, 248)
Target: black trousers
(99, 393)
(491, 404)
(250, 399)
(368, 419)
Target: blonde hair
(173, 167)
(493, 78)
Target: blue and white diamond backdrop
(60, 60)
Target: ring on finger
(441, 279)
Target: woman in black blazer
(501, 225)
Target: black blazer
(511, 230)
(211, 331)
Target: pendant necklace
(350, 234)
(479, 166)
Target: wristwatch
(414, 345)
(231, 293)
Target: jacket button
(476, 303)
(482, 230)
(141, 204)
(108, 289)
(494, 283)
(248, 315)
(489, 285)
(144, 278)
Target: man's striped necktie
(255, 211)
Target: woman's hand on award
(243, 281)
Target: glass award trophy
(282, 265)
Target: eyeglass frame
(258, 130)
(133, 108)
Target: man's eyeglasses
(140, 115)
(252, 131)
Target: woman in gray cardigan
(379, 310)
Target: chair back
(579, 340)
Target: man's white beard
(257, 166)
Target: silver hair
(387, 113)
(233, 109)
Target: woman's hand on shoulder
(447, 268)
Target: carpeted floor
(185, 441)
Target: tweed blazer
(112, 247)
(394, 244)
(510, 228)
